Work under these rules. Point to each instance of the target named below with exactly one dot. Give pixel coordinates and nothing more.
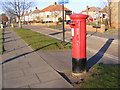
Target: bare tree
(17, 8)
(107, 9)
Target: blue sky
(74, 5)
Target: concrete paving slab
(6, 69)
(13, 74)
(48, 76)
(23, 60)
(16, 64)
(40, 69)
(58, 83)
(19, 82)
(25, 87)
(24, 65)
(60, 60)
(35, 61)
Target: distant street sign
(59, 2)
(63, 1)
(66, 1)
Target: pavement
(24, 68)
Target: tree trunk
(19, 22)
(110, 19)
(109, 13)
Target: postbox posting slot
(72, 24)
(72, 28)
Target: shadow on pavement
(13, 58)
(7, 33)
(91, 34)
(16, 49)
(7, 38)
(93, 60)
(24, 46)
(11, 40)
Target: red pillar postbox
(78, 28)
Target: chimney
(30, 10)
(36, 7)
(55, 3)
(87, 8)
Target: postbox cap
(78, 16)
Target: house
(96, 13)
(21, 18)
(29, 16)
(35, 15)
(3, 18)
(53, 12)
(26, 16)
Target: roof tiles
(54, 8)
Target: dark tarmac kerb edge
(79, 65)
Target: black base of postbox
(79, 65)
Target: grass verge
(41, 42)
(111, 30)
(59, 26)
(1, 40)
(106, 76)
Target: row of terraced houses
(50, 13)
(53, 12)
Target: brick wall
(90, 28)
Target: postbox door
(76, 42)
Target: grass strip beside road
(106, 76)
(41, 42)
(59, 26)
(1, 40)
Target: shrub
(59, 19)
(105, 22)
(41, 21)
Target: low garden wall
(42, 23)
(100, 29)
